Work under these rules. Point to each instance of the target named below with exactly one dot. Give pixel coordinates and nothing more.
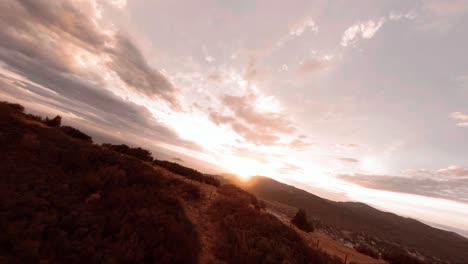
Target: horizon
(362, 101)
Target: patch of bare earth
(335, 248)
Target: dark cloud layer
(132, 68)
(449, 188)
(40, 41)
(51, 32)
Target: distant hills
(359, 219)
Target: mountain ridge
(361, 217)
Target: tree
(301, 222)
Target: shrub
(190, 192)
(397, 255)
(139, 153)
(300, 221)
(187, 172)
(16, 107)
(54, 122)
(35, 118)
(75, 133)
(367, 250)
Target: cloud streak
(361, 30)
(241, 113)
(453, 189)
(460, 118)
(367, 29)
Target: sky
(351, 100)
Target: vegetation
(68, 201)
(139, 153)
(54, 122)
(187, 172)
(301, 222)
(367, 250)
(249, 235)
(396, 255)
(75, 133)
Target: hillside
(64, 199)
(352, 220)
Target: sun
(371, 164)
(243, 168)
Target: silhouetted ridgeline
(187, 172)
(64, 199)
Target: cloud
(118, 3)
(418, 172)
(361, 30)
(251, 72)
(178, 159)
(65, 37)
(289, 168)
(306, 24)
(442, 15)
(453, 189)
(215, 77)
(368, 29)
(346, 159)
(256, 125)
(453, 170)
(446, 8)
(247, 132)
(460, 118)
(299, 143)
(132, 68)
(296, 30)
(314, 65)
(350, 146)
(68, 63)
(244, 108)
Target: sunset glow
(368, 105)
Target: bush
(300, 221)
(190, 192)
(75, 133)
(54, 122)
(397, 255)
(139, 153)
(187, 172)
(367, 250)
(35, 118)
(16, 107)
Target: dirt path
(197, 213)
